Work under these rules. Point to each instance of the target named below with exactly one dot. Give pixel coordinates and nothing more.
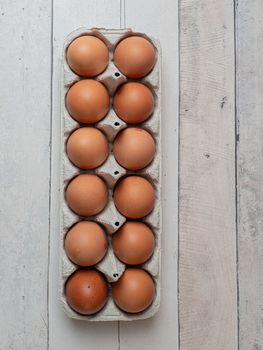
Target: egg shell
(87, 56)
(86, 243)
(133, 243)
(110, 265)
(134, 197)
(86, 291)
(87, 148)
(88, 101)
(135, 56)
(134, 148)
(134, 291)
(133, 102)
(87, 194)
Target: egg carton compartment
(111, 172)
(111, 312)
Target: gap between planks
(50, 163)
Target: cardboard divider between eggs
(111, 172)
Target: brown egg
(88, 101)
(86, 243)
(133, 102)
(134, 148)
(134, 197)
(134, 291)
(133, 243)
(87, 194)
(87, 148)
(135, 56)
(87, 56)
(86, 291)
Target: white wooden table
(212, 280)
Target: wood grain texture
(24, 177)
(65, 333)
(249, 31)
(160, 19)
(207, 227)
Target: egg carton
(111, 172)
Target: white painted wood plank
(65, 333)
(159, 18)
(24, 177)
(207, 227)
(249, 171)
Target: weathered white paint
(208, 316)
(159, 18)
(66, 333)
(70, 333)
(25, 64)
(250, 171)
(207, 228)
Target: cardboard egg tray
(111, 172)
